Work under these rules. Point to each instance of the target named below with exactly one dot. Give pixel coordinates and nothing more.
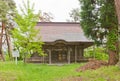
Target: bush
(98, 53)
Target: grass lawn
(35, 72)
(43, 72)
(107, 73)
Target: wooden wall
(60, 54)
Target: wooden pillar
(50, 57)
(75, 54)
(69, 50)
(81, 55)
(43, 59)
(83, 52)
(68, 56)
(49, 51)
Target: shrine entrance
(59, 56)
(59, 53)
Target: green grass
(35, 72)
(107, 73)
(43, 72)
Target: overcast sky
(59, 8)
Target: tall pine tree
(7, 8)
(99, 22)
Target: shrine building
(64, 42)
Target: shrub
(98, 53)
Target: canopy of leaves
(97, 18)
(25, 32)
(7, 7)
(75, 15)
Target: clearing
(43, 72)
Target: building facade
(64, 42)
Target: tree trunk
(113, 46)
(8, 44)
(2, 56)
(113, 54)
(113, 57)
(117, 6)
(1, 53)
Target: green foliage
(7, 7)
(99, 22)
(112, 40)
(97, 53)
(109, 21)
(87, 18)
(98, 19)
(24, 34)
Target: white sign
(15, 53)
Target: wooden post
(69, 50)
(43, 59)
(82, 53)
(49, 56)
(75, 54)
(81, 49)
(79, 53)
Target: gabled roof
(67, 31)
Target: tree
(46, 17)
(99, 22)
(75, 15)
(7, 8)
(24, 34)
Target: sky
(59, 8)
